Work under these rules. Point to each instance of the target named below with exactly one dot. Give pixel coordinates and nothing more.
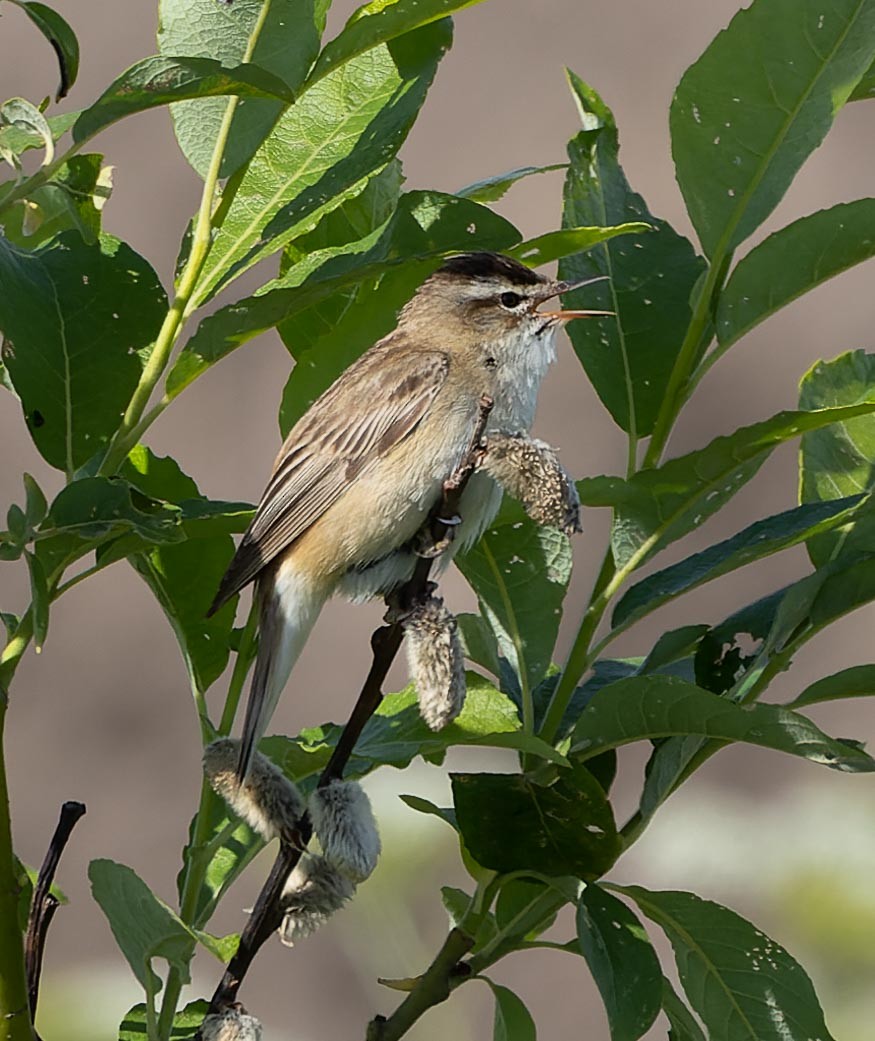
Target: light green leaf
(159, 81)
(622, 961)
(648, 707)
(340, 133)
(656, 507)
(491, 189)
(762, 97)
(510, 822)
(629, 357)
(75, 378)
(753, 543)
(790, 262)
(838, 460)
(61, 37)
(520, 573)
(19, 114)
(287, 44)
(743, 985)
(556, 245)
(513, 1021)
(855, 682)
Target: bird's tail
(287, 611)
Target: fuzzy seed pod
(344, 824)
(267, 800)
(313, 892)
(435, 660)
(231, 1024)
(530, 472)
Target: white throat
(524, 360)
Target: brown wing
(374, 405)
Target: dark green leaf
(743, 985)
(379, 22)
(457, 902)
(672, 645)
(520, 573)
(512, 823)
(848, 588)
(288, 42)
(622, 961)
(656, 507)
(159, 81)
(447, 814)
(855, 682)
(143, 926)
(682, 1024)
(571, 240)
(479, 643)
(324, 148)
(792, 261)
(758, 540)
(185, 1023)
(761, 98)
(663, 706)
(520, 908)
(865, 88)
(629, 357)
(62, 38)
(491, 189)
(513, 1021)
(838, 460)
(39, 598)
(75, 378)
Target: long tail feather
(287, 610)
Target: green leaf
(520, 573)
(62, 39)
(556, 245)
(425, 226)
(184, 577)
(75, 378)
(21, 139)
(396, 734)
(855, 682)
(672, 645)
(629, 357)
(865, 88)
(39, 597)
(143, 926)
(287, 44)
(510, 822)
(340, 133)
(491, 189)
(36, 506)
(838, 460)
(790, 262)
(479, 643)
(753, 543)
(513, 1021)
(762, 97)
(456, 902)
(647, 707)
(743, 985)
(379, 22)
(656, 507)
(622, 961)
(518, 900)
(445, 813)
(186, 1022)
(159, 81)
(682, 1025)
(20, 115)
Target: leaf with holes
(75, 378)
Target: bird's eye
(510, 299)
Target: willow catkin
(435, 660)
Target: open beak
(563, 316)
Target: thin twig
(267, 914)
(44, 904)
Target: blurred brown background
(103, 714)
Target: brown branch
(43, 903)
(267, 914)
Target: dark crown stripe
(491, 265)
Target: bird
(361, 470)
